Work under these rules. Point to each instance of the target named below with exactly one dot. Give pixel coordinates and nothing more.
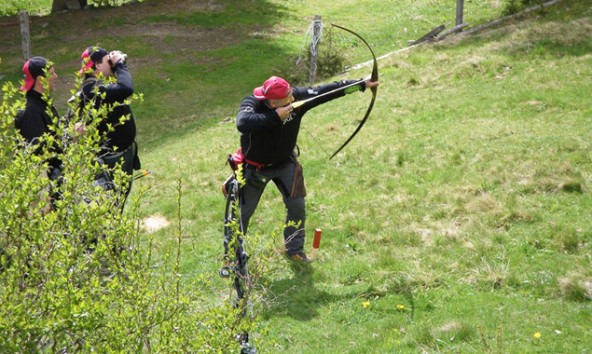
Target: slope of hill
(457, 221)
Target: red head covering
(32, 69)
(274, 88)
(90, 57)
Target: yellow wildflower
(366, 304)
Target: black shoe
(299, 257)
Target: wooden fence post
(459, 11)
(25, 34)
(317, 33)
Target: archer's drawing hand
(284, 112)
(371, 84)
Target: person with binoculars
(117, 127)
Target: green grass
(460, 213)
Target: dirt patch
(172, 38)
(170, 6)
(164, 36)
(154, 223)
(92, 25)
(147, 23)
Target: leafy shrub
(79, 278)
(43, 7)
(98, 3)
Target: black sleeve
(253, 116)
(122, 89)
(303, 93)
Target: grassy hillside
(457, 221)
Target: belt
(257, 165)
(113, 156)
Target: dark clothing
(264, 137)
(39, 118)
(114, 95)
(118, 145)
(282, 176)
(36, 120)
(270, 144)
(109, 162)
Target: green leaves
(80, 277)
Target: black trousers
(110, 161)
(281, 175)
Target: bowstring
(316, 141)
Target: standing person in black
(269, 127)
(117, 136)
(40, 117)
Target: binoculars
(117, 53)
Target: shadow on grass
(299, 298)
(296, 296)
(191, 60)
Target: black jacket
(114, 95)
(265, 139)
(36, 120)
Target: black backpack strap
(87, 81)
(82, 98)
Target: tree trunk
(61, 5)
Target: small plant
(330, 61)
(513, 6)
(575, 287)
